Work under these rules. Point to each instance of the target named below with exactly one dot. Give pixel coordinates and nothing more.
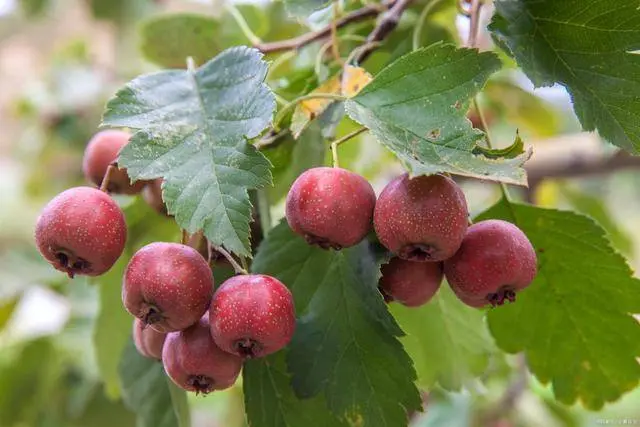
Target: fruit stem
(104, 185)
(242, 23)
(237, 267)
(417, 31)
(292, 104)
(347, 137)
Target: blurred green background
(59, 63)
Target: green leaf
(585, 46)
(168, 40)
(113, 324)
(148, 392)
(574, 322)
(34, 8)
(511, 152)
(192, 128)
(416, 107)
(596, 208)
(7, 307)
(346, 343)
(448, 341)
(271, 402)
(303, 8)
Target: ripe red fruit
(101, 151)
(168, 286)
(252, 315)
(81, 231)
(194, 362)
(148, 341)
(495, 261)
(421, 219)
(330, 207)
(410, 283)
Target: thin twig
(335, 42)
(347, 137)
(512, 394)
(417, 30)
(474, 15)
(242, 23)
(104, 185)
(361, 14)
(237, 267)
(387, 22)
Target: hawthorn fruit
(101, 151)
(81, 231)
(168, 286)
(330, 207)
(194, 362)
(148, 341)
(410, 283)
(421, 219)
(494, 262)
(252, 315)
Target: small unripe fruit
(152, 194)
(101, 151)
(330, 207)
(81, 231)
(168, 286)
(194, 362)
(421, 219)
(495, 261)
(410, 283)
(148, 341)
(252, 315)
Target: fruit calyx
(322, 242)
(417, 252)
(247, 347)
(151, 315)
(504, 293)
(70, 263)
(200, 383)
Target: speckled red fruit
(101, 151)
(194, 362)
(148, 341)
(330, 207)
(421, 219)
(81, 231)
(495, 261)
(152, 194)
(410, 283)
(168, 286)
(252, 315)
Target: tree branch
(303, 40)
(386, 24)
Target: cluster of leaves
(353, 361)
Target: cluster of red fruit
(423, 222)
(201, 336)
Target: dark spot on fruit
(417, 252)
(321, 242)
(200, 383)
(247, 348)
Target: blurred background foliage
(59, 63)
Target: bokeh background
(61, 60)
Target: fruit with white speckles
(252, 315)
(330, 207)
(410, 283)
(148, 341)
(81, 231)
(101, 151)
(495, 261)
(168, 286)
(194, 362)
(421, 219)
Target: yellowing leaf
(349, 84)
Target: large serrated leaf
(448, 341)
(271, 402)
(346, 344)
(587, 47)
(575, 321)
(417, 108)
(148, 392)
(192, 128)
